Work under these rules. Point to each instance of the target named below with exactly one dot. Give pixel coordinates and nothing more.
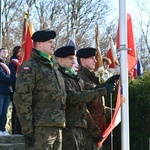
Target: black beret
(65, 51)
(43, 35)
(86, 52)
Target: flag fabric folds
(96, 44)
(116, 119)
(112, 54)
(132, 61)
(72, 42)
(27, 44)
(138, 69)
(132, 56)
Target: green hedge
(139, 110)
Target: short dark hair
(16, 50)
(107, 60)
(2, 48)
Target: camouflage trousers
(73, 139)
(47, 138)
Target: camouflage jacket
(77, 99)
(96, 107)
(40, 94)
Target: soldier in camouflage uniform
(40, 96)
(76, 112)
(87, 61)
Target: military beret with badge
(86, 52)
(43, 35)
(65, 51)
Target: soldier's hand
(113, 79)
(98, 138)
(29, 139)
(110, 87)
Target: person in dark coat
(14, 60)
(7, 78)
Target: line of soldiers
(58, 109)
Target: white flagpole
(124, 76)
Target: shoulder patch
(26, 69)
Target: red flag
(132, 57)
(27, 44)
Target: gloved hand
(110, 87)
(98, 138)
(113, 79)
(29, 139)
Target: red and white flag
(112, 55)
(115, 120)
(132, 61)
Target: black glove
(112, 79)
(98, 138)
(29, 139)
(110, 87)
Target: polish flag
(115, 120)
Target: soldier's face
(68, 62)
(48, 47)
(89, 63)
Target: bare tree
(69, 14)
(142, 22)
(12, 23)
(62, 16)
